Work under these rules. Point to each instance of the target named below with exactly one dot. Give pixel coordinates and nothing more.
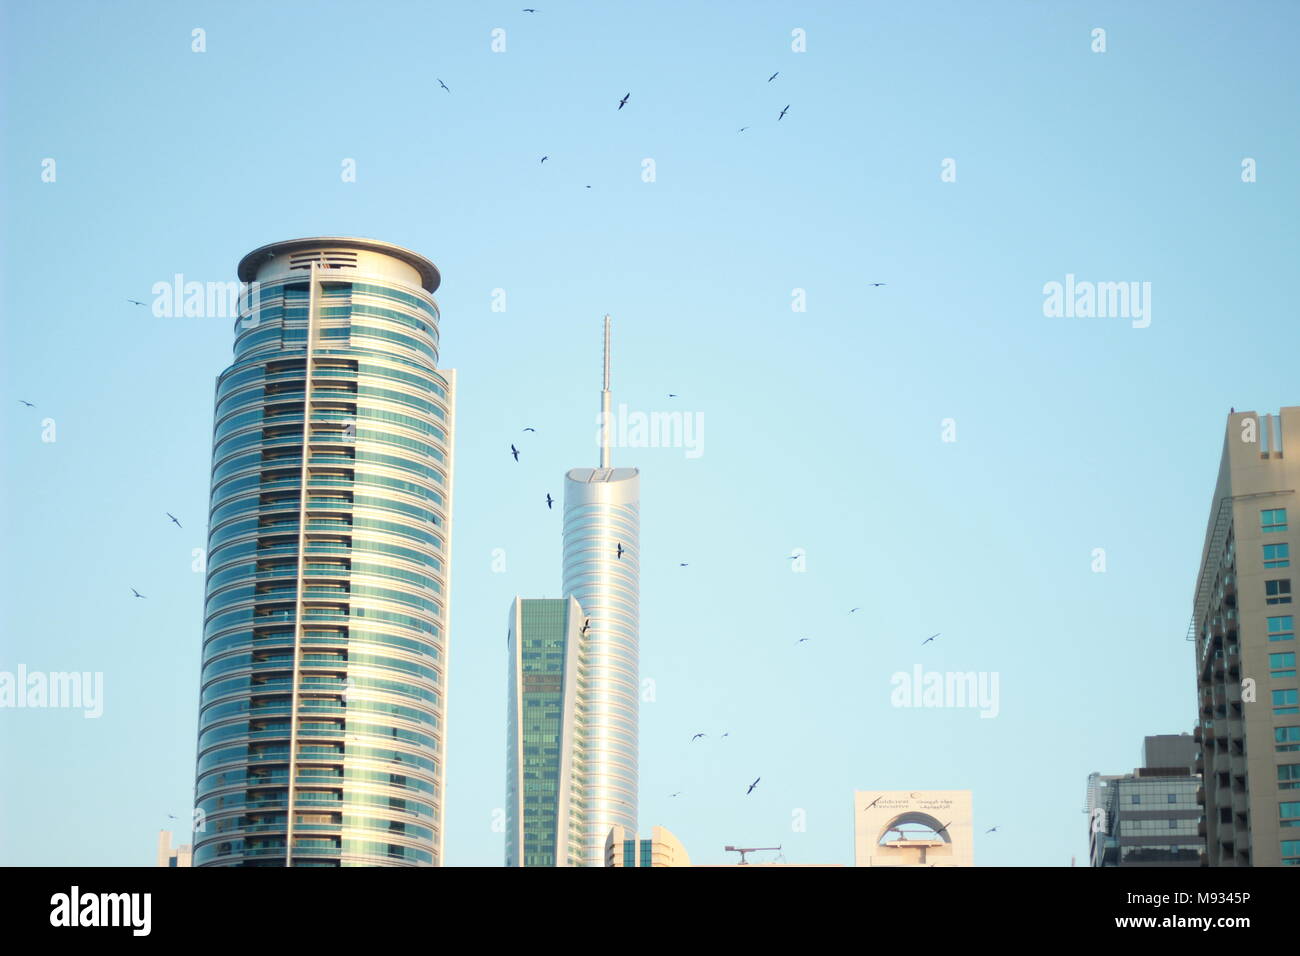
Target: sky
(947, 456)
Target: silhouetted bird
(852, 610)
(545, 158)
(697, 737)
(135, 301)
(587, 626)
(444, 86)
(752, 786)
(530, 429)
(782, 113)
(25, 402)
(801, 640)
(929, 639)
(623, 100)
(877, 283)
(514, 451)
(742, 129)
(136, 593)
(991, 830)
(173, 517)
(774, 76)
(549, 501)
(620, 549)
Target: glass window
(1273, 519)
(1282, 665)
(1286, 701)
(1277, 555)
(1281, 628)
(1291, 852)
(1278, 592)
(1288, 776)
(1286, 738)
(1289, 814)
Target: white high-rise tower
(602, 553)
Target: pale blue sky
(822, 428)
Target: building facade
(623, 848)
(170, 855)
(323, 714)
(1150, 817)
(602, 554)
(1243, 626)
(543, 752)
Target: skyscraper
(602, 556)
(1243, 623)
(543, 756)
(322, 712)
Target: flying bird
(587, 626)
(620, 549)
(801, 640)
(876, 284)
(873, 802)
(993, 830)
(173, 517)
(752, 786)
(672, 395)
(545, 158)
(136, 593)
(677, 794)
(929, 639)
(774, 76)
(23, 401)
(742, 129)
(683, 565)
(782, 113)
(549, 501)
(697, 737)
(727, 734)
(623, 100)
(444, 85)
(514, 451)
(944, 827)
(529, 10)
(851, 610)
(530, 429)
(135, 301)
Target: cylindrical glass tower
(322, 711)
(602, 553)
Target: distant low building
(1151, 816)
(169, 855)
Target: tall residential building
(170, 855)
(543, 759)
(913, 828)
(602, 556)
(1243, 625)
(1149, 817)
(322, 717)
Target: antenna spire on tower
(605, 457)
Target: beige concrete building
(913, 828)
(1243, 626)
(169, 855)
(622, 848)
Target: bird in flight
(683, 565)
(774, 76)
(929, 639)
(514, 451)
(782, 113)
(742, 129)
(549, 501)
(444, 85)
(620, 549)
(587, 626)
(23, 401)
(944, 827)
(545, 158)
(875, 284)
(530, 429)
(697, 737)
(993, 830)
(752, 786)
(530, 10)
(851, 610)
(801, 640)
(135, 301)
(873, 802)
(136, 593)
(727, 734)
(672, 395)
(677, 794)
(173, 517)
(623, 101)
